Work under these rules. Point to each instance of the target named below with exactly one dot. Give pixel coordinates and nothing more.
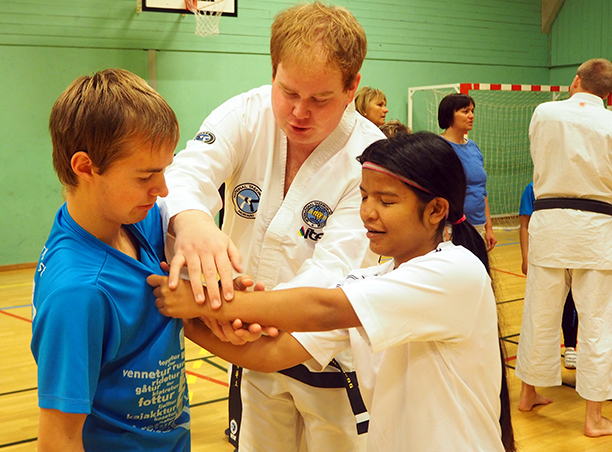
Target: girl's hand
(253, 331)
(178, 303)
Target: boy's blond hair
(102, 115)
(329, 33)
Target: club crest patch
(316, 213)
(205, 137)
(233, 428)
(246, 200)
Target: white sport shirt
(427, 354)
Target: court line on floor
(510, 301)
(204, 377)
(10, 286)
(208, 402)
(207, 360)
(212, 363)
(30, 440)
(17, 443)
(16, 316)
(508, 273)
(29, 305)
(18, 391)
(506, 244)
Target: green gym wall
(45, 45)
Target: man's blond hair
(104, 114)
(331, 33)
(596, 76)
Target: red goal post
(465, 88)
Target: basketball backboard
(230, 7)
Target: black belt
(342, 379)
(588, 205)
(362, 417)
(316, 379)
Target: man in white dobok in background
(570, 237)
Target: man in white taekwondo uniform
(286, 153)
(570, 237)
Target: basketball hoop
(207, 14)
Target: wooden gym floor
(553, 428)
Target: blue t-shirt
(101, 346)
(473, 164)
(527, 200)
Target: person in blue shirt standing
(569, 324)
(111, 369)
(456, 116)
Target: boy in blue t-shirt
(111, 369)
(569, 324)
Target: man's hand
(205, 250)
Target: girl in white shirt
(423, 327)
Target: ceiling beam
(550, 11)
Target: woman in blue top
(456, 116)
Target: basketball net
(207, 15)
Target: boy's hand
(243, 282)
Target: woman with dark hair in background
(456, 116)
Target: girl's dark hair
(431, 162)
(449, 105)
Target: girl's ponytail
(466, 235)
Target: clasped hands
(180, 303)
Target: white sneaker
(570, 358)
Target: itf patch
(246, 200)
(205, 137)
(316, 213)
